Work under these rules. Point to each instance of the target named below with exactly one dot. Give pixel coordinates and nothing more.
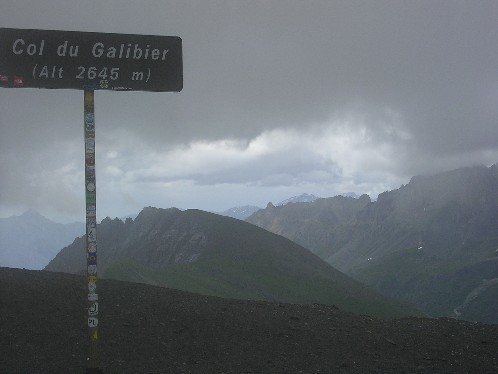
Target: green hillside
(432, 243)
(237, 260)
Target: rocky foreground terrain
(146, 329)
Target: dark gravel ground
(145, 329)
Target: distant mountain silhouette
(303, 198)
(30, 240)
(210, 254)
(432, 242)
(244, 212)
(240, 212)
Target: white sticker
(93, 297)
(92, 247)
(93, 321)
(92, 269)
(92, 235)
(90, 210)
(92, 286)
(89, 145)
(94, 309)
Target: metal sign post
(91, 233)
(90, 61)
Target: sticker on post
(93, 321)
(4, 80)
(89, 159)
(91, 223)
(92, 287)
(92, 269)
(89, 102)
(89, 145)
(18, 81)
(91, 258)
(90, 186)
(90, 210)
(91, 197)
(92, 247)
(92, 234)
(91, 278)
(93, 297)
(94, 309)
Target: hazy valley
(432, 242)
(31, 240)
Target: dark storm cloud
(419, 78)
(251, 66)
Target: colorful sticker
(91, 278)
(93, 321)
(92, 235)
(94, 335)
(92, 269)
(18, 81)
(91, 259)
(93, 297)
(94, 309)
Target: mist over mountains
(432, 242)
(244, 212)
(31, 240)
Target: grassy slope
(435, 285)
(246, 262)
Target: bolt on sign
(90, 61)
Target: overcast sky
(279, 98)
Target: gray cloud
(419, 76)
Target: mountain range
(240, 212)
(31, 240)
(244, 212)
(211, 254)
(432, 242)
